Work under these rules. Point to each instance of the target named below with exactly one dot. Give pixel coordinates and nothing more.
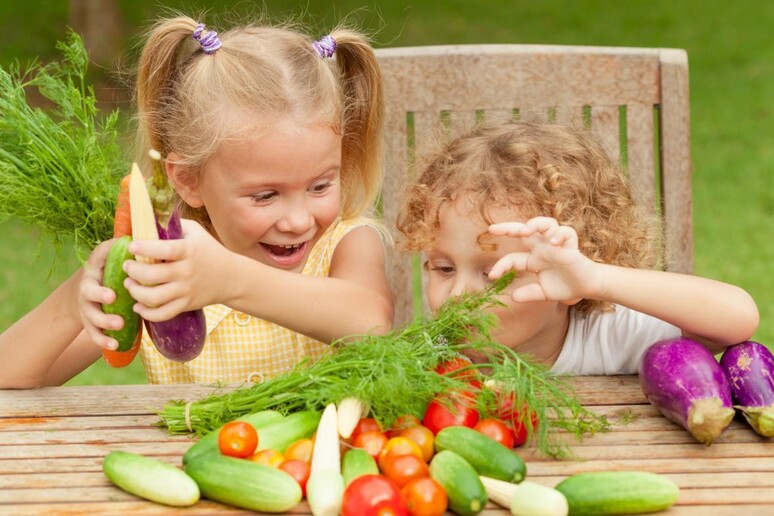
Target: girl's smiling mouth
(285, 256)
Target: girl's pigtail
(156, 70)
(363, 119)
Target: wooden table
(52, 442)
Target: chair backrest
(636, 99)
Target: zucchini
(618, 492)
(150, 479)
(487, 456)
(113, 277)
(357, 462)
(243, 483)
(466, 493)
(209, 443)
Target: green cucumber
(150, 479)
(486, 455)
(279, 435)
(466, 493)
(113, 277)
(243, 483)
(618, 492)
(357, 462)
(209, 442)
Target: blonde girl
(272, 141)
(548, 202)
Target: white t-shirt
(609, 342)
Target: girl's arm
(354, 299)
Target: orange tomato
(423, 437)
(425, 497)
(237, 439)
(372, 442)
(366, 424)
(299, 470)
(269, 457)
(399, 446)
(300, 450)
(401, 469)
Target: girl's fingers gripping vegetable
(113, 277)
(684, 381)
(115, 358)
(750, 370)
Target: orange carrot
(122, 225)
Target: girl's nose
(465, 283)
(297, 219)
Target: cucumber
(466, 493)
(486, 455)
(618, 492)
(356, 463)
(243, 483)
(209, 443)
(150, 479)
(281, 434)
(113, 277)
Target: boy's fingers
(512, 261)
(528, 293)
(506, 228)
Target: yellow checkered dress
(238, 344)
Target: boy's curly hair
(538, 170)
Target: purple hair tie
(209, 42)
(325, 46)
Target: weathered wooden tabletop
(53, 440)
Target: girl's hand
(184, 279)
(92, 295)
(551, 253)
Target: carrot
(122, 225)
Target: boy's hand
(92, 295)
(551, 253)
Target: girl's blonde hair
(538, 170)
(186, 98)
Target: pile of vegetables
(684, 381)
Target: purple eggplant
(750, 370)
(182, 337)
(683, 380)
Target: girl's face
(272, 196)
(457, 263)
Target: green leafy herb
(60, 167)
(395, 375)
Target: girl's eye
(321, 187)
(264, 196)
(441, 269)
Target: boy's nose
(464, 283)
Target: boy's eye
(264, 196)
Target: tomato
(300, 450)
(373, 495)
(425, 497)
(459, 413)
(366, 424)
(401, 469)
(455, 364)
(424, 438)
(399, 446)
(497, 431)
(237, 439)
(372, 442)
(403, 422)
(515, 419)
(299, 470)
(271, 458)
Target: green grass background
(732, 96)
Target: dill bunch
(394, 374)
(60, 167)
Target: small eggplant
(683, 380)
(750, 370)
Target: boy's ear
(184, 182)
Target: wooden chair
(635, 98)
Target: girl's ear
(571, 302)
(184, 182)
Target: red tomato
(401, 469)
(515, 419)
(373, 495)
(268, 457)
(425, 497)
(300, 450)
(459, 413)
(400, 424)
(455, 364)
(497, 431)
(299, 470)
(237, 439)
(366, 424)
(372, 442)
(424, 438)
(399, 446)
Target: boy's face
(457, 263)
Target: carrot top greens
(60, 167)
(394, 374)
